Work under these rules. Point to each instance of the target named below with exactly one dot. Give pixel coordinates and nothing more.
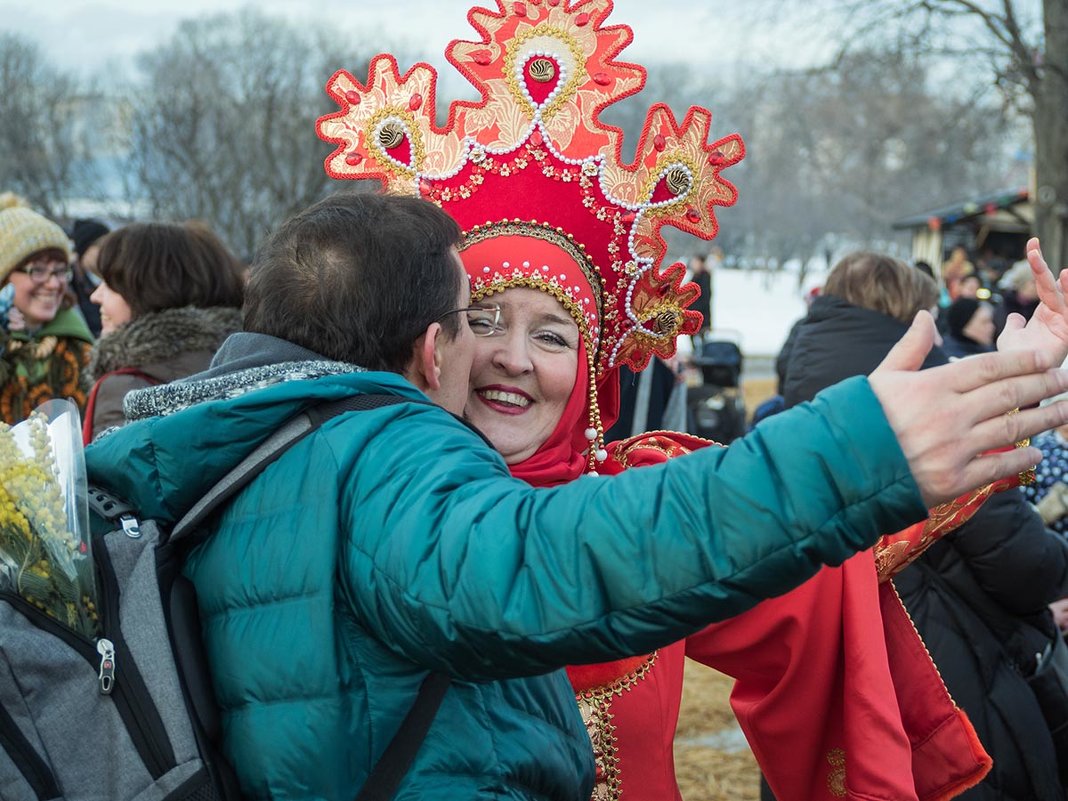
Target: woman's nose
(512, 354)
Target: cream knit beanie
(24, 232)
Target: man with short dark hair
(392, 543)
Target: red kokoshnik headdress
(537, 181)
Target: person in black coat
(969, 328)
(978, 596)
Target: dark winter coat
(837, 340)
(959, 347)
(1003, 559)
(156, 348)
(978, 597)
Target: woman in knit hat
(970, 328)
(45, 343)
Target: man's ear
(424, 369)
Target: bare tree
(1020, 46)
(832, 153)
(223, 124)
(44, 153)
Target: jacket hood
(189, 448)
(837, 340)
(154, 340)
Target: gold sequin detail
(564, 91)
(595, 707)
(836, 779)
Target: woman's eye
(552, 339)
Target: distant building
(994, 228)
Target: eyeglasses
(484, 321)
(40, 271)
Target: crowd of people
(862, 564)
(96, 313)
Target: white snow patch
(758, 307)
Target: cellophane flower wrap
(45, 553)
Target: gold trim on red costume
(595, 706)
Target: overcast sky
(94, 34)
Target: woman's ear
(424, 369)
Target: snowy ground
(759, 307)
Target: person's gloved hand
(1054, 504)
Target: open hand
(948, 418)
(1047, 330)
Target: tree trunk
(1050, 95)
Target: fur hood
(158, 338)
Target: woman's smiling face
(40, 302)
(523, 372)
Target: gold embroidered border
(546, 233)
(595, 707)
(665, 163)
(836, 779)
(415, 141)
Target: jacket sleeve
(487, 576)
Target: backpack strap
(393, 765)
(292, 432)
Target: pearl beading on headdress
(545, 71)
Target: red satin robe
(834, 690)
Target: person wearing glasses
(168, 297)
(46, 343)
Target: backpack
(132, 715)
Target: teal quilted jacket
(393, 542)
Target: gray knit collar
(170, 398)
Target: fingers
(991, 467)
(913, 347)
(1033, 251)
(999, 397)
(1005, 429)
(1014, 324)
(974, 372)
(1049, 289)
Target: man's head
(369, 279)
